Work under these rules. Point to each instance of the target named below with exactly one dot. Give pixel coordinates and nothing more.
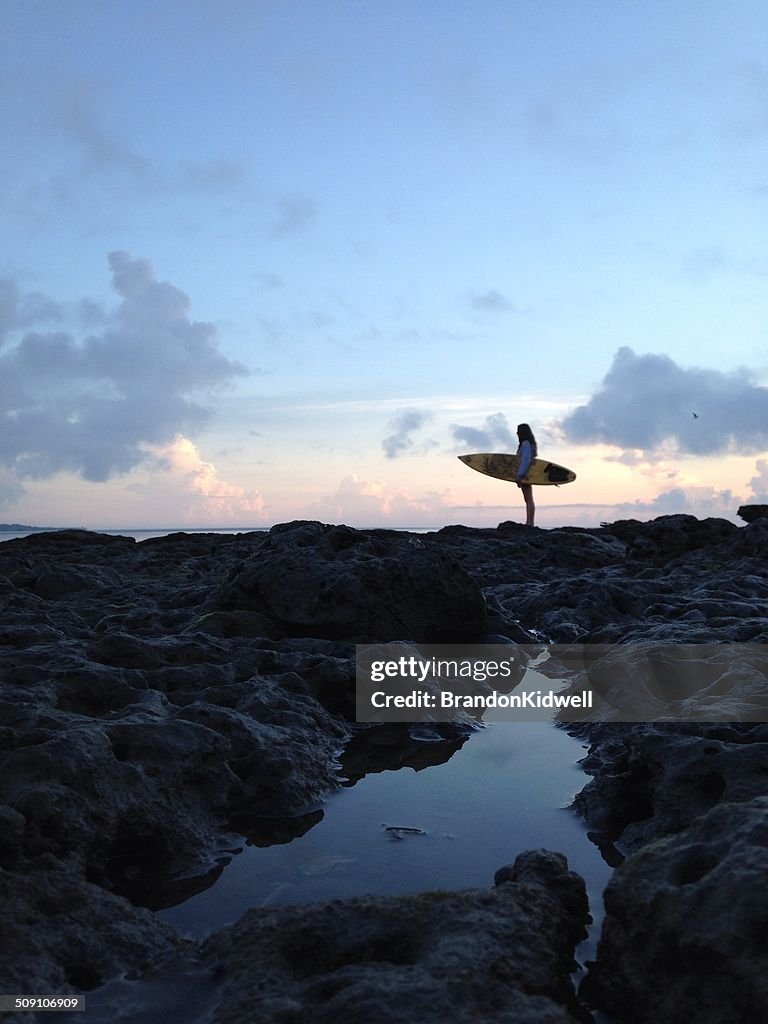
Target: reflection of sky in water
(506, 790)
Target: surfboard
(504, 467)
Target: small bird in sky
(695, 415)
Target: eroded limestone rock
(686, 929)
(494, 956)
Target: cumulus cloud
(701, 502)
(403, 426)
(759, 483)
(647, 401)
(193, 489)
(89, 404)
(19, 310)
(494, 433)
(363, 503)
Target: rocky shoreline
(161, 700)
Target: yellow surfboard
(504, 467)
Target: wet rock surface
(159, 701)
(62, 933)
(687, 924)
(480, 955)
(650, 781)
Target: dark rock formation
(160, 701)
(61, 933)
(749, 513)
(335, 582)
(495, 956)
(715, 590)
(669, 536)
(650, 781)
(686, 931)
(653, 680)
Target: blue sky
(265, 261)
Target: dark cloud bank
(87, 404)
(646, 400)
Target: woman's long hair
(524, 433)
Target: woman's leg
(530, 508)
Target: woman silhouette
(526, 452)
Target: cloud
(213, 175)
(702, 264)
(494, 432)
(647, 401)
(76, 107)
(564, 128)
(371, 503)
(89, 405)
(95, 165)
(402, 426)
(194, 490)
(701, 502)
(294, 214)
(24, 310)
(10, 488)
(759, 484)
(491, 301)
(79, 110)
(268, 279)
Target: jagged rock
(11, 836)
(61, 933)
(686, 929)
(147, 789)
(653, 780)
(495, 956)
(752, 541)
(154, 696)
(58, 542)
(749, 513)
(670, 536)
(672, 681)
(334, 582)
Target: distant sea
(12, 533)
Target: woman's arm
(526, 457)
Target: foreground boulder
(686, 929)
(61, 933)
(494, 956)
(337, 583)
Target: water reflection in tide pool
(507, 789)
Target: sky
(264, 260)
